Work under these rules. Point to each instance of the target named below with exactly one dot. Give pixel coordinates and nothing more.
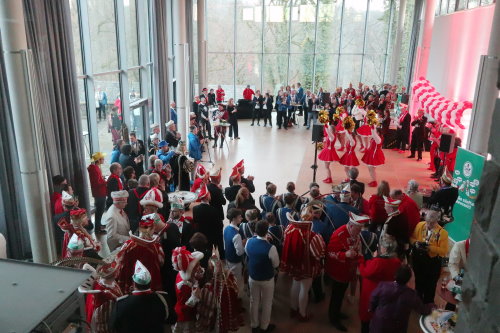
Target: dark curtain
(48, 29)
(12, 217)
(160, 60)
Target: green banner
(466, 176)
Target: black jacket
(269, 103)
(111, 186)
(217, 199)
(418, 128)
(139, 313)
(134, 208)
(171, 139)
(445, 198)
(206, 219)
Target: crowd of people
(169, 266)
(191, 272)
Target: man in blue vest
(263, 259)
(233, 247)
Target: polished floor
(282, 155)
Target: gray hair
(152, 159)
(353, 173)
(432, 216)
(158, 162)
(389, 244)
(144, 181)
(412, 185)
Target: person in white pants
(263, 260)
(233, 247)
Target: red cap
(240, 165)
(147, 221)
(77, 212)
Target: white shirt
(273, 253)
(458, 258)
(117, 227)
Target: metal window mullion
(87, 69)
(364, 40)
(142, 32)
(386, 61)
(315, 45)
(122, 61)
(262, 49)
(340, 41)
(234, 48)
(289, 42)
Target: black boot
(215, 143)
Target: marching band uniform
(303, 251)
(396, 225)
(282, 214)
(403, 131)
(269, 204)
(349, 158)
(201, 175)
(144, 310)
(144, 247)
(186, 288)
(101, 298)
(220, 131)
(328, 153)
(234, 250)
(343, 253)
(78, 218)
(374, 156)
(183, 223)
(181, 168)
(219, 93)
(116, 222)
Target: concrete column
(486, 91)
(396, 51)
(181, 63)
(28, 133)
(202, 46)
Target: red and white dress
(364, 130)
(99, 304)
(349, 158)
(328, 153)
(340, 126)
(374, 155)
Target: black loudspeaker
(447, 143)
(317, 133)
(405, 98)
(326, 98)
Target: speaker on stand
(446, 146)
(317, 136)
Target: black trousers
(267, 117)
(306, 114)
(256, 114)
(291, 115)
(206, 127)
(401, 140)
(282, 119)
(317, 288)
(100, 205)
(216, 239)
(338, 292)
(233, 127)
(365, 326)
(417, 144)
(427, 271)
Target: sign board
(466, 176)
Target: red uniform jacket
(196, 184)
(102, 302)
(149, 253)
(411, 212)
(56, 200)
(183, 291)
(373, 272)
(378, 215)
(219, 93)
(97, 181)
(247, 94)
(338, 266)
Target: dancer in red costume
(349, 159)
(145, 248)
(435, 137)
(373, 155)
(341, 131)
(365, 131)
(77, 224)
(201, 177)
(101, 296)
(328, 153)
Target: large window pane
(275, 72)
(84, 119)
(220, 23)
(329, 26)
(378, 26)
(303, 25)
(75, 29)
(220, 70)
(326, 72)
(349, 70)
(131, 32)
(107, 92)
(247, 72)
(405, 46)
(373, 69)
(472, 3)
(249, 26)
(276, 29)
(103, 32)
(353, 28)
(301, 70)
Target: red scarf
(467, 244)
(120, 184)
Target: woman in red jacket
(98, 186)
(382, 267)
(378, 215)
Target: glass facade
(319, 43)
(450, 6)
